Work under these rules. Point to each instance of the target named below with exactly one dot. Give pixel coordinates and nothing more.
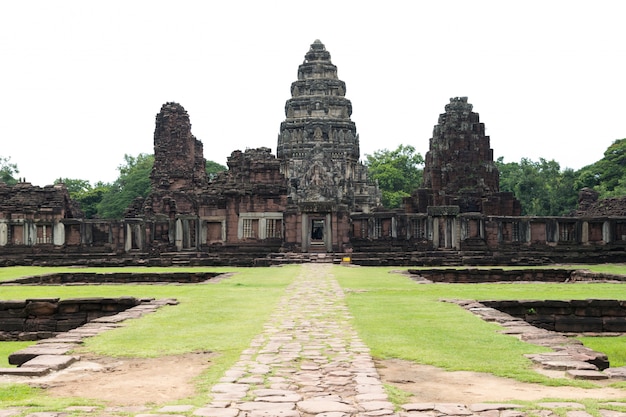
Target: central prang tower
(318, 147)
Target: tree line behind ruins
(542, 186)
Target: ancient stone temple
(312, 196)
(459, 167)
(318, 149)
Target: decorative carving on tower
(459, 168)
(318, 144)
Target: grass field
(395, 317)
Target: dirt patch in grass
(431, 384)
(129, 381)
(137, 382)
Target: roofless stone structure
(312, 196)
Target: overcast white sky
(82, 81)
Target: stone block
(54, 362)
(30, 371)
(586, 374)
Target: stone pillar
(30, 233)
(4, 234)
(435, 232)
(138, 236)
(58, 234)
(584, 233)
(202, 232)
(262, 228)
(328, 234)
(186, 234)
(178, 235)
(394, 227)
(306, 234)
(606, 232)
(456, 235)
(128, 241)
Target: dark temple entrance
(317, 232)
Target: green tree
(133, 182)
(74, 186)
(88, 196)
(213, 168)
(541, 187)
(8, 171)
(608, 175)
(398, 173)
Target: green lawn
(398, 318)
(395, 316)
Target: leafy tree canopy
(8, 171)
(213, 168)
(541, 186)
(85, 194)
(608, 175)
(133, 182)
(398, 173)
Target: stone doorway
(317, 232)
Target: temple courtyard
(308, 359)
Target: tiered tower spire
(318, 143)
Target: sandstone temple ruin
(312, 197)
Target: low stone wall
(473, 275)
(43, 318)
(114, 278)
(573, 316)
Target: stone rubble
(310, 362)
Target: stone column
(58, 234)
(456, 232)
(128, 241)
(606, 232)
(4, 234)
(262, 228)
(435, 232)
(306, 233)
(30, 233)
(328, 233)
(138, 235)
(178, 235)
(584, 233)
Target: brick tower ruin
(459, 167)
(318, 147)
(178, 155)
(178, 176)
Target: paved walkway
(309, 362)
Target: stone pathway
(309, 362)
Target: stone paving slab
(32, 371)
(53, 362)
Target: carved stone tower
(318, 147)
(459, 158)
(459, 168)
